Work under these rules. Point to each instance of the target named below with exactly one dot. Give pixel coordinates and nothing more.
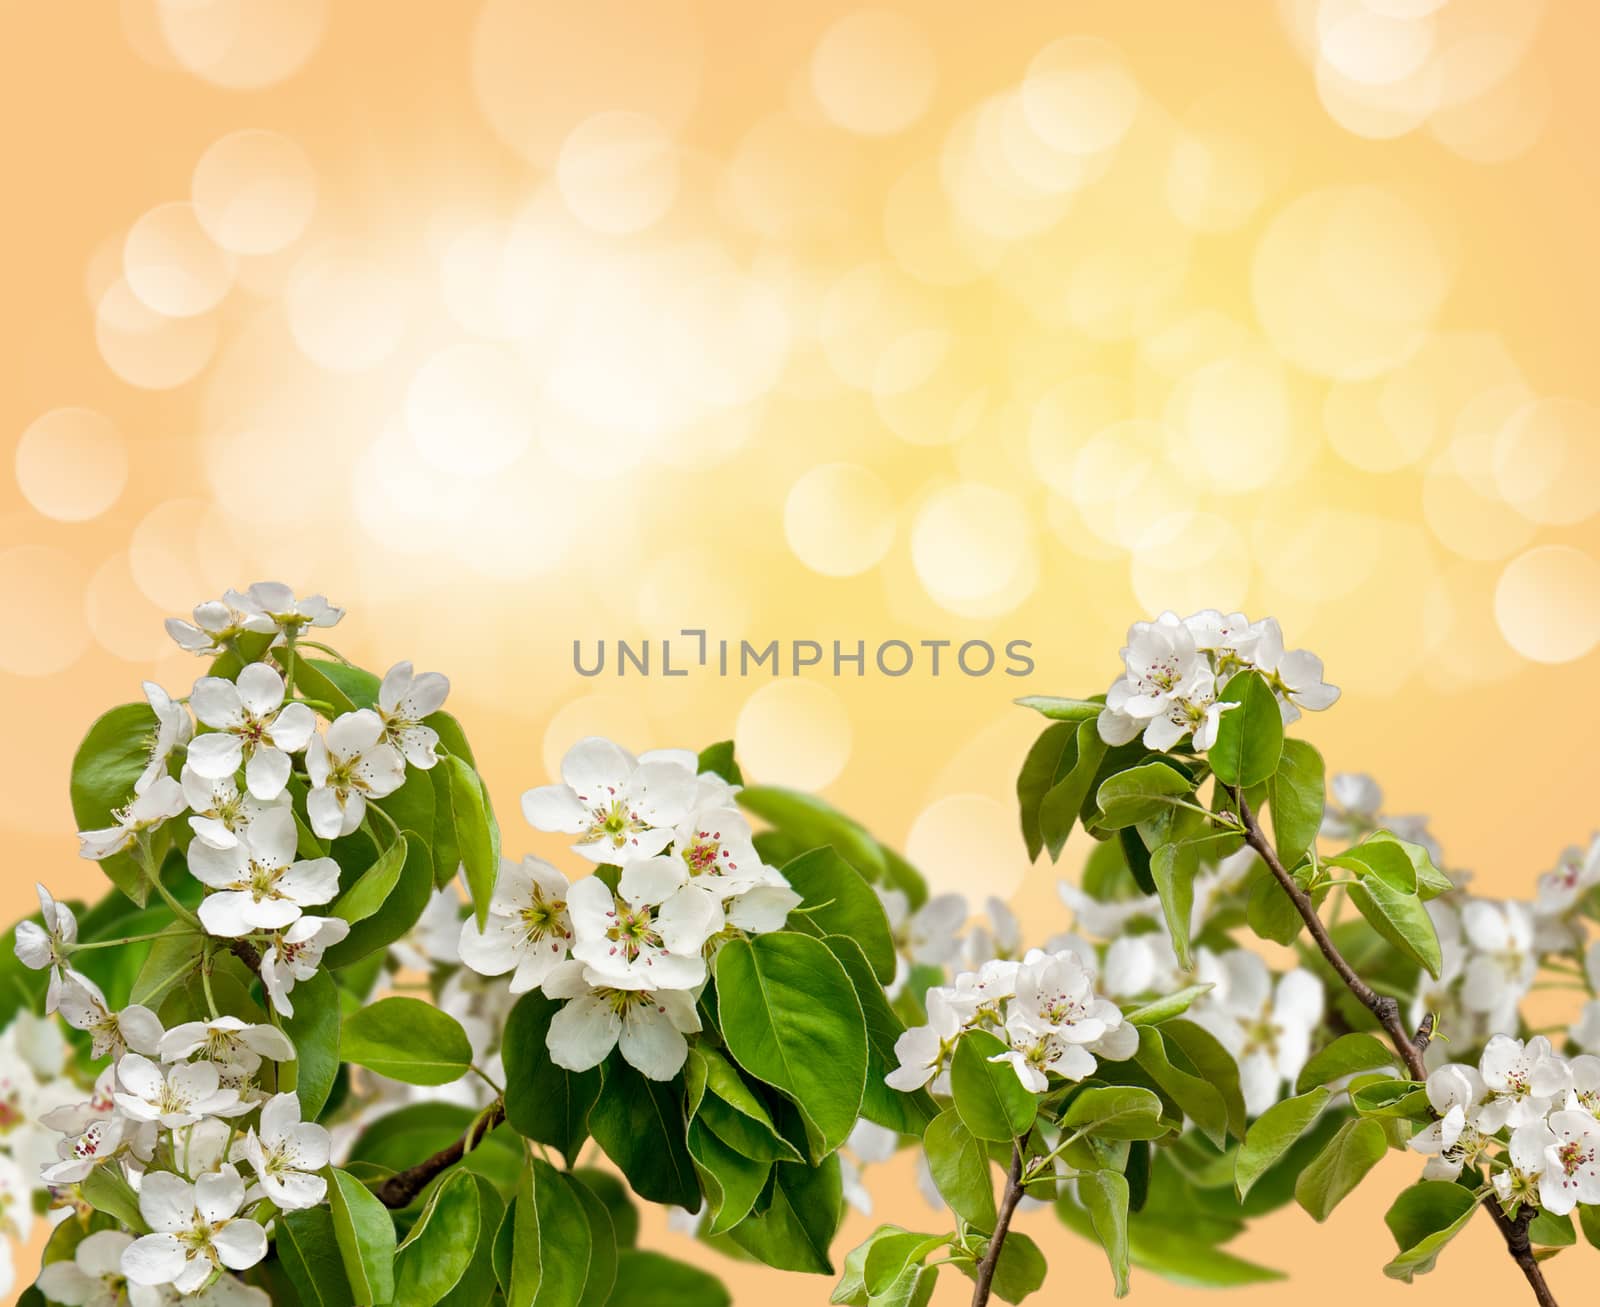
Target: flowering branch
(1513, 1229)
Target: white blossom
(83, 1006)
(648, 935)
(1576, 872)
(1501, 961)
(174, 729)
(217, 622)
(175, 1095)
(528, 930)
(348, 767)
(1295, 675)
(1265, 1026)
(227, 1040)
(287, 1153)
(161, 802)
(49, 945)
(1524, 1080)
(1452, 1140)
(405, 700)
(93, 1276)
(258, 884)
(196, 1228)
(219, 811)
(271, 605)
(295, 954)
(647, 1025)
(251, 725)
(923, 1050)
(619, 806)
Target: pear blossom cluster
(1175, 670)
(627, 953)
(1526, 1115)
(185, 1117)
(224, 756)
(1043, 1007)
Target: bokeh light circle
(794, 732)
(1547, 461)
(42, 589)
(618, 172)
(182, 552)
(172, 265)
(970, 543)
(1188, 561)
(345, 312)
(968, 844)
(124, 621)
(149, 349)
(873, 72)
(243, 44)
(254, 192)
(1079, 95)
(72, 464)
(1547, 604)
(839, 519)
(470, 409)
(611, 716)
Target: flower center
(632, 933)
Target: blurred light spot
(146, 348)
(987, 189)
(72, 464)
(401, 500)
(1232, 418)
(1477, 431)
(611, 716)
(473, 281)
(968, 844)
(181, 553)
(925, 389)
(1080, 95)
(1379, 112)
(873, 72)
(346, 313)
(795, 733)
(925, 235)
(254, 192)
(122, 618)
(1378, 426)
(171, 264)
(1372, 47)
(1547, 461)
(469, 408)
(618, 172)
(1317, 555)
(1464, 647)
(1064, 419)
(1467, 522)
(41, 591)
(1347, 280)
(1548, 604)
(973, 549)
(520, 524)
(243, 44)
(693, 587)
(1217, 177)
(863, 315)
(790, 178)
(539, 68)
(839, 519)
(1189, 561)
(1504, 122)
(1125, 481)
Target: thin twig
(401, 1187)
(991, 1255)
(1410, 1049)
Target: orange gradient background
(507, 323)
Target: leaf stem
(1513, 1229)
(400, 1188)
(984, 1279)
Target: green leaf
(313, 679)
(478, 1284)
(794, 1232)
(612, 1194)
(1062, 806)
(1104, 1195)
(912, 1288)
(477, 834)
(1383, 1096)
(1296, 797)
(1383, 858)
(1201, 1102)
(904, 1113)
(602, 1276)
(1166, 1007)
(1020, 1270)
(314, 1031)
(731, 1181)
(544, 1102)
(811, 822)
(374, 886)
(1400, 918)
(990, 1100)
(1274, 1132)
(852, 1286)
(1174, 867)
(364, 1231)
(547, 1228)
(1214, 1064)
(1250, 737)
(407, 1039)
(1062, 710)
(1423, 1219)
(172, 959)
(959, 1163)
(1345, 1056)
(1589, 1219)
(308, 1248)
(892, 1255)
(398, 914)
(1271, 913)
(1168, 1251)
(837, 901)
(1547, 1230)
(1038, 775)
(111, 758)
(1431, 882)
(718, 759)
(719, 1096)
(1115, 1112)
(440, 1247)
(1140, 793)
(791, 1018)
(640, 1124)
(105, 1190)
(1339, 1168)
(647, 1279)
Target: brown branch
(991, 1255)
(1410, 1048)
(401, 1187)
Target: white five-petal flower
(348, 767)
(528, 930)
(49, 945)
(83, 1006)
(161, 802)
(196, 1228)
(619, 806)
(295, 954)
(251, 725)
(287, 1153)
(174, 1096)
(257, 884)
(405, 699)
(648, 1025)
